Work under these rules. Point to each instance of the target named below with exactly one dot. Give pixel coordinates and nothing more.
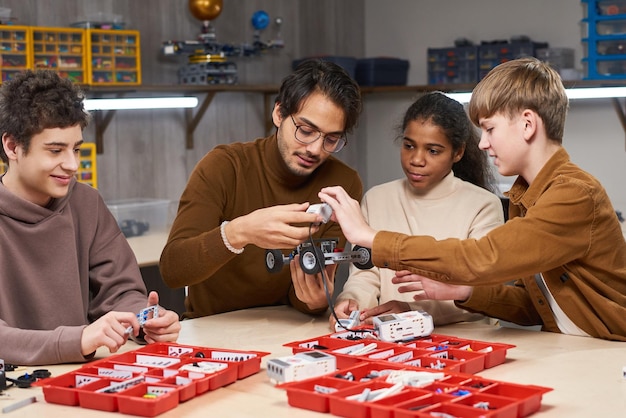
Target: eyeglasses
(307, 135)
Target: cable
(321, 264)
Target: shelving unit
(87, 166)
(62, 50)
(114, 57)
(15, 42)
(606, 39)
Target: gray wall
(407, 28)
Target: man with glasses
(244, 198)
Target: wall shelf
(194, 116)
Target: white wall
(407, 28)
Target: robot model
(320, 252)
(207, 58)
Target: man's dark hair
(36, 100)
(329, 79)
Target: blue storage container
(382, 71)
(606, 39)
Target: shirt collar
(522, 193)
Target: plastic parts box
(457, 394)
(493, 54)
(436, 351)
(62, 50)
(605, 53)
(16, 45)
(354, 391)
(557, 57)
(382, 71)
(152, 379)
(141, 216)
(114, 57)
(456, 65)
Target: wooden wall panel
(144, 151)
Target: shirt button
(540, 301)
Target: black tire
(312, 260)
(365, 258)
(274, 260)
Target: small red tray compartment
(530, 395)
(342, 403)
(64, 389)
(303, 394)
(414, 406)
(468, 361)
(490, 405)
(133, 401)
(216, 379)
(90, 397)
(384, 408)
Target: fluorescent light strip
(572, 94)
(460, 97)
(141, 103)
(596, 93)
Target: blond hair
(524, 83)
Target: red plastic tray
(152, 379)
(457, 394)
(462, 355)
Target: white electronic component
(403, 326)
(143, 316)
(300, 366)
(348, 323)
(322, 209)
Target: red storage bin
(152, 379)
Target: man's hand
(310, 288)
(164, 328)
(429, 289)
(393, 306)
(343, 308)
(347, 212)
(283, 226)
(108, 331)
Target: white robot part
(348, 323)
(300, 366)
(403, 326)
(322, 209)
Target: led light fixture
(141, 103)
(572, 94)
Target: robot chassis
(313, 254)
